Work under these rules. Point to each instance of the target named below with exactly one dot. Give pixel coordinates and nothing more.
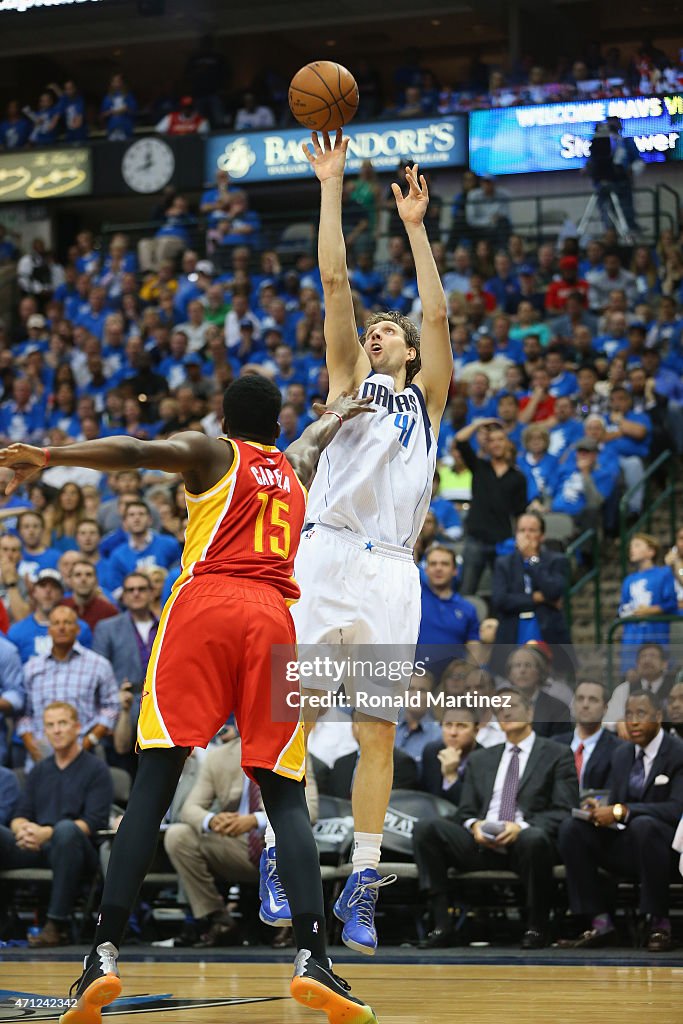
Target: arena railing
(667, 494)
(592, 576)
(539, 218)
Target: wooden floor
(477, 994)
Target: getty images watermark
(371, 678)
(319, 671)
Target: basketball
(323, 96)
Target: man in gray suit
(515, 796)
(220, 835)
(126, 640)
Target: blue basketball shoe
(356, 908)
(274, 904)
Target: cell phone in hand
(492, 829)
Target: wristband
(46, 453)
(330, 412)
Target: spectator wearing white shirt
(251, 116)
(650, 674)
(240, 312)
(487, 210)
(195, 327)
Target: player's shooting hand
(329, 159)
(413, 207)
(26, 460)
(345, 405)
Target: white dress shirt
(589, 745)
(493, 811)
(616, 709)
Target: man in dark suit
(523, 790)
(444, 761)
(528, 588)
(527, 669)
(592, 746)
(646, 799)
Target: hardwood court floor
(405, 994)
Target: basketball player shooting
(212, 656)
(366, 508)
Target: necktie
(578, 760)
(508, 798)
(636, 778)
(254, 838)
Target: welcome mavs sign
(557, 136)
(264, 156)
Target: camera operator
(612, 163)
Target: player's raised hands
(345, 405)
(26, 460)
(328, 159)
(412, 208)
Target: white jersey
(375, 476)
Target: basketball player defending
(212, 656)
(366, 508)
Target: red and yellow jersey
(249, 523)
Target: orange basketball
(323, 96)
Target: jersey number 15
(270, 513)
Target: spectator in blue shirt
(31, 636)
(118, 110)
(9, 795)
(15, 129)
(366, 280)
(72, 110)
(21, 418)
(12, 692)
(238, 225)
(144, 548)
(563, 384)
(94, 316)
(539, 467)
(448, 517)
(567, 430)
(504, 285)
(615, 338)
(449, 626)
(416, 725)
(289, 426)
(584, 483)
(35, 556)
(628, 435)
(45, 120)
(648, 591)
(215, 202)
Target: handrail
(668, 492)
(618, 623)
(592, 576)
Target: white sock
(269, 836)
(366, 850)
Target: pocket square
(662, 780)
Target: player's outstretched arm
(347, 363)
(435, 374)
(303, 454)
(189, 453)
